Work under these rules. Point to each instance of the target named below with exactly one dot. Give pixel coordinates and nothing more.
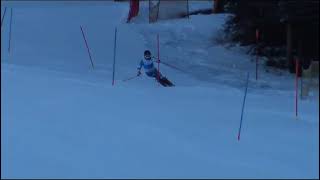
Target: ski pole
(169, 65)
(130, 78)
(174, 67)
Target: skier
(151, 71)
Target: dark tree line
(287, 29)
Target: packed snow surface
(62, 118)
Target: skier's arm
(154, 59)
(139, 67)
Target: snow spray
(114, 55)
(85, 40)
(244, 100)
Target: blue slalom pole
(244, 100)
(4, 13)
(88, 49)
(114, 55)
(9, 48)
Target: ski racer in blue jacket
(150, 69)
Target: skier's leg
(169, 83)
(160, 78)
(163, 79)
(158, 75)
(154, 74)
(163, 83)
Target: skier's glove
(156, 60)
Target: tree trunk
(289, 47)
(218, 6)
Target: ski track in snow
(62, 119)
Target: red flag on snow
(134, 9)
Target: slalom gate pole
(244, 100)
(257, 58)
(114, 55)
(85, 40)
(296, 87)
(10, 31)
(158, 76)
(4, 13)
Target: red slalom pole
(257, 38)
(4, 13)
(158, 58)
(296, 87)
(85, 40)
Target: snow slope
(62, 119)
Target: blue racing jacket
(148, 67)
